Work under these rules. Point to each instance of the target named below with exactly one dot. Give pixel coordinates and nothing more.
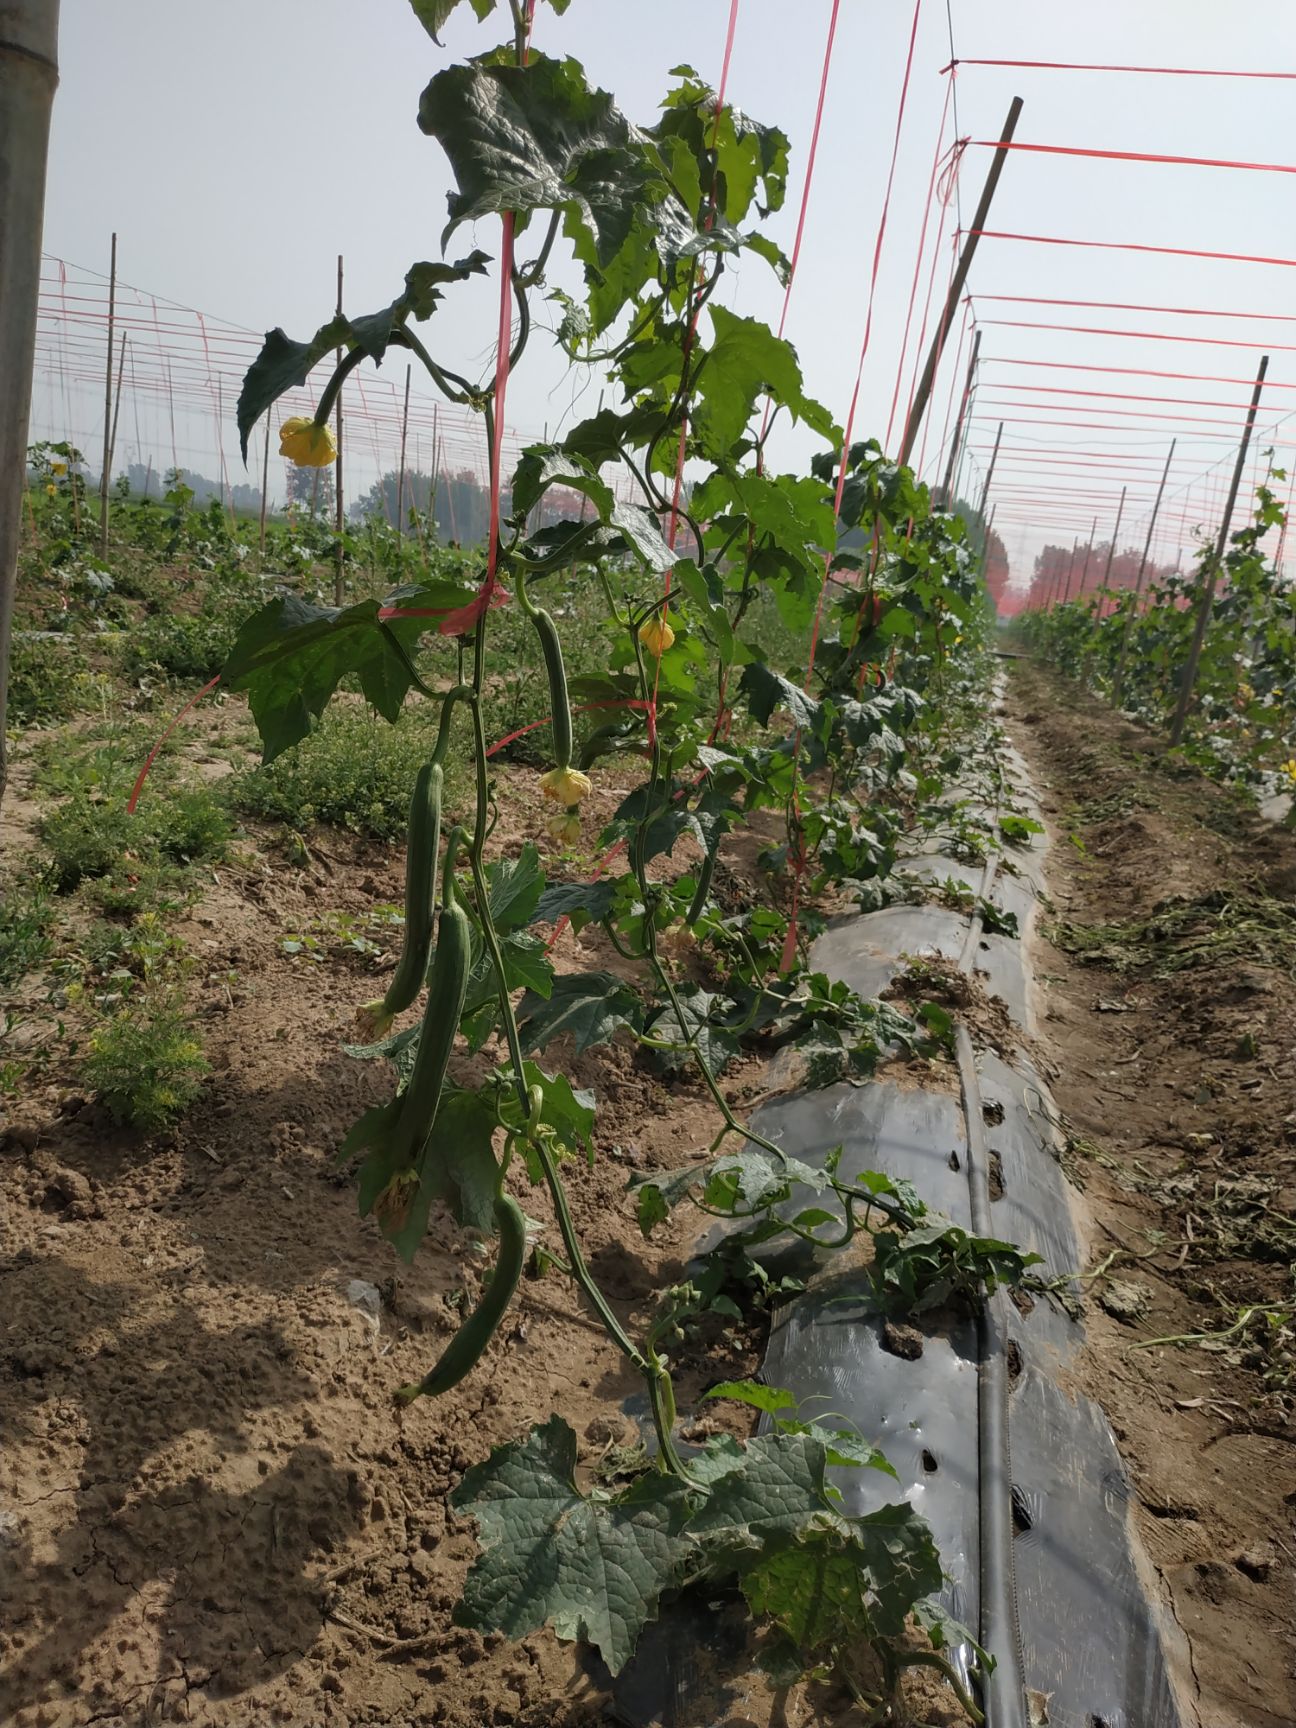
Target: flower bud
(656, 635)
(307, 443)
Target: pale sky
(238, 149)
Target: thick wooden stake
(1118, 681)
(921, 394)
(400, 478)
(339, 512)
(957, 443)
(1189, 679)
(28, 78)
(108, 396)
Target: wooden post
(956, 445)
(1111, 550)
(265, 486)
(108, 391)
(400, 478)
(1189, 678)
(28, 79)
(339, 512)
(923, 391)
(1119, 679)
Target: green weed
(352, 772)
(25, 941)
(145, 1063)
(47, 681)
(86, 839)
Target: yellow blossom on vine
(307, 443)
(58, 467)
(656, 636)
(1289, 769)
(564, 828)
(566, 786)
(52, 491)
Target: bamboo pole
(265, 486)
(1066, 598)
(956, 444)
(339, 508)
(108, 392)
(28, 79)
(1111, 550)
(1189, 679)
(1119, 680)
(985, 490)
(117, 396)
(1056, 588)
(400, 478)
(436, 475)
(919, 404)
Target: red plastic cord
(1139, 335)
(922, 249)
(788, 956)
(151, 758)
(1135, 306)
(1137, 371)
(1085, 66)
(1135, 246)
(1135, 156)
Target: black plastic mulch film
(1021, 1481)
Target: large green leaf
(766, 690)
(590, 1006)
(532, 137)
(581, 903)
(593, 1566)
(747, 361)
(542, 466)
(752, 1511)
(291, 655)
(284, 364)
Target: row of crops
(1134, 648)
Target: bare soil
(1172, 1046)
(210, 1510)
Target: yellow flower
(52, 491)
(307, 443)
(1289, 769)
(565, 828)
(656, 636)
(58, 467)
(566, 786)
